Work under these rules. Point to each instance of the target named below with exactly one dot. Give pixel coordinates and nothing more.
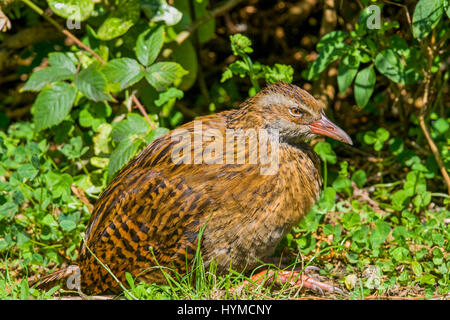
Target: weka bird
(151, 213)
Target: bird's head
(294, 113)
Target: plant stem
(251, 71)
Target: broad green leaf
(53, 104)
(348, 67)
(62, 187)
(382, 134)
(400, 254)
(126, 149)
(39, 79)
(126, 71)
(78, 10)
(161, 75)
(48, 220)
(364, 85)
(8, 210)
(390, 65)
(441, 125)
(63, 60)
(426, 16)
(67, 225)
(149, 44)
(159, 10)
(323, 149)
(125, 15)
(360, 178)
(380, 233)
(92, 83)
(133, 125)
(27, 171)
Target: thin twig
(423, 124)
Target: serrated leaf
(149, 44)
(39, 79)
(120, 20)
(426, 16)
(126, 71)
(161, 75)
(364, 85)
(133, 125)
(53, 104)
(92, 83)
(78, 10)
(63, 60)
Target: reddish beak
(327, 128)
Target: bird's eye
(296, 112)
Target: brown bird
(246, 199)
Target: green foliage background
(138, 68)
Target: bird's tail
(71, 273)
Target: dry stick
(423, 124)
(86, 48)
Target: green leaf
(426, 16)
(53, 104)
(149, 44)
(416, 268)
(8, 210)
(380, 233)
(126, 71)
(67, 225)
(133, 125)
(159, 10)
(126, 150)
(27, 171)
(78, 10)
(92, 83)
(441, 125)
(364, 85)
(120, 20)
(347, 71)
(323, 149)
(360, 178)
(63, 60)
(161, 75)
(390, 65)
(172, 93)
(400, 254)
(330, 48)
(41, 78)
